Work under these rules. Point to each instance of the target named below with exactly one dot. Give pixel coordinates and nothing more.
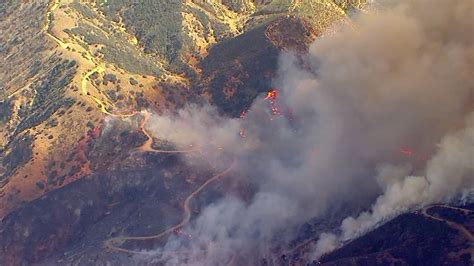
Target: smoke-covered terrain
(381, 117)
(237, 132)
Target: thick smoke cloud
(448, 176)
(399, 78)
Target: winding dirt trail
(148, 145)
(460, 228)
(425, 212)
(97, 69)
(463, 230)
(112, 243)
(101, 105)
(49, 21)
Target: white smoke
(449, 174)
(396, 79)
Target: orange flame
(272, 95)
(405, 151)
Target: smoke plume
(380, 120)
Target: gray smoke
(399, 78)
(448, 176)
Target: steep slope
(437, 235)
(77, 67)
(80, 176)
(78, 62)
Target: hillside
(437, 235)
(78, 62)
(86, 178)
(76, 65)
